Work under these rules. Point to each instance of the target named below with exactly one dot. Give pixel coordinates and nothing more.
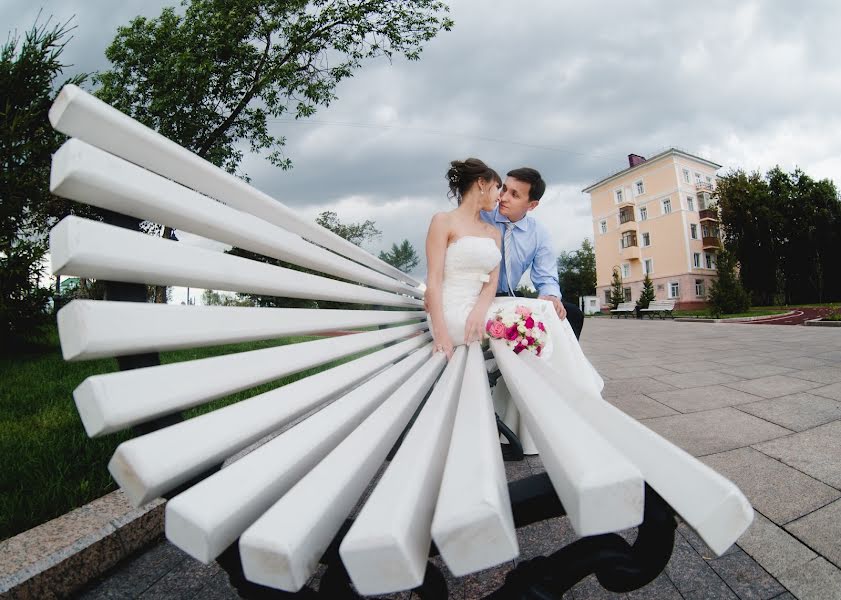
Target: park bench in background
(624, 308)
(659, 307)
(272, 515)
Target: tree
(577, 272)
(647, 293)
(617, 292)
(212, 78)
(784, 230)
(355, 233)
(526, 291)
(727, 295)
(401, 257)
(28, 72)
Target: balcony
(711, 243)
(630, 253)
(627, 221)
(708, 214)
(704, 187)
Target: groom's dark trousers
(574, 315)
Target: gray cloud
(569, 88)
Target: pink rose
(488, 325)
(529, 322)
(540, 326)
(496, 329)
(511, 333)
(529, 341)
(519, 348)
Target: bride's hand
(474, 326)
(443, 344)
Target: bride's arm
(436, 248)
(475, 324)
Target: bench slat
(211, 515)
(387, 546)
(473, 526)
(708, 502)
(148, 466)
(600, 489)
(283, 547)
(95, 250)
(91, 329)
(91, 176)
(81, 115)
(114, 401)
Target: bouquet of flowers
(520, 330)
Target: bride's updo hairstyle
(462, 174)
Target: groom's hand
(559, 306)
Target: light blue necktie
(506, 246)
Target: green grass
(49, 465)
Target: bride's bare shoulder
(441, 220)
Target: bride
(463, 262)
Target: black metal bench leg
(514, 450)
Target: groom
(526, 243)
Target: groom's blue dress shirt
(530, 247)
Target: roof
(664, 154)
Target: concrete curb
(60, 556)
(732, 319)
(821, 323)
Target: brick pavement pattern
(761, 405)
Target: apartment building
(655, 217)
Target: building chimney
(635, 159)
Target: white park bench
(660, 308)
(271, 516)
(624, 308)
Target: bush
(727, 295)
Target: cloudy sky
(570, 88)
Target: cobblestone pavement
(761, 405)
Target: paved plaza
(760, 404)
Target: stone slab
(702, 398)
(745, 577)
(689, 571)
(697, 379)
(779, 492)
(755, 371)
(714, 431)
(774, 386)
(816, 452)
(625, 372)
(773, 547)
(797, 412)
(640, 406)
(832, 391)
(821, 530)
(816, 580)
(690, 366)
(799, 362)
(641, 385)
(829, 374)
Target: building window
(667, 206)
(674, 289)
(708, 258)
(699, 288)
(607, 297)
(603, 226)
(693, 231)
(643, 213)
(626, 271)
(709, 180)
(697, 178)
(627, 292)
(640, 187)
(686, 176)
(648, 266)
(646, 239)
(696, 260)
(618, 194)
(629, 238)
(690, 203)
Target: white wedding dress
(467, 266)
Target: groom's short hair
(528, 175)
